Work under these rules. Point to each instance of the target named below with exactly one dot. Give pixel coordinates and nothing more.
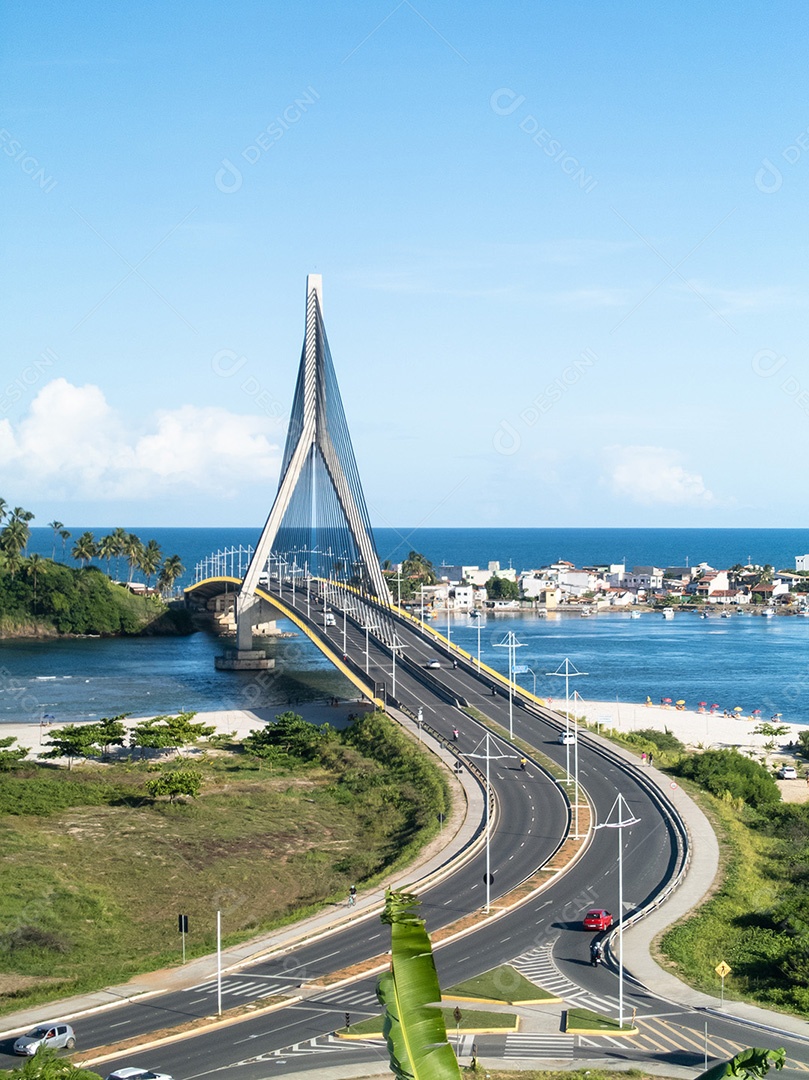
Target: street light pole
(621, 824)
(570, 672)
(510, 642)
(488, 756)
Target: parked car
(597, 919)
(433, 664)
(132, 1073)
(55, 1036)
(787, 772)
(566, 738)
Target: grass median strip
(585, 1022)
(502, 984)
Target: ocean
(744, 661)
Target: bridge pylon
(319, 523)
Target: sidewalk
(434, 863)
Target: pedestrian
(455, 734)
(643, 758)
(650, 758)
(352, 896)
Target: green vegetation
(730, 775)
(500, 588)
(416, 571)
(586, 1020)
(503, 983)
(47, 1065)
(413, 1028)
(40, 596)
(758, 920)
(96, 867)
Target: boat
(703, 614)
(636, 614)
(726, 615)
(668, 613)
(768, 613)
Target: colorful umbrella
(738, 708)
(681, 701)
(667, 699)
(704, 703)
(756, 712)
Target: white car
(566, 738)
(433, 664)
(132, 1073)
(56, 1036)
(787, 772)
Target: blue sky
(564, 282)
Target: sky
(560, 244)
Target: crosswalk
(242, 987)
(538, 965)
(532, 1045)
(346, 998)
(657, 1034)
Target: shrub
(721, 771)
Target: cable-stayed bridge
(316, 546)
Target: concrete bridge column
(244, 657)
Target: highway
(543, 937)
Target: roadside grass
(503, 983)
(95, 872)
(473, 1022)
(732, 925)
(587, 1021)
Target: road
(543, 937)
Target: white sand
(692, 727)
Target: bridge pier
(244, 657)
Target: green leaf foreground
(413, 1028)
(747, 1064)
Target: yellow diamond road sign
(722, 969)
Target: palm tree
(23, 516)
(11, 561)
(64, 536)
(171, 569)
(119, 537)
(132, 548)
(149, 560)
(14, 536)
(107, 547)
(56, 526)
(85, 548)
(34, 565)
(3, 509)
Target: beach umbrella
(681, 701)
(703, 704)
(738, 708)
(668, 699)
(756, 712)
(715, 705)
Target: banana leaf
(414, 1026)
(747, 1064)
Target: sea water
(743, 661)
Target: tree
(131, 547)
(107, 548)
(501, 588)
(111, 732)
(14, 537)
(34, 565)
(10, 755)
(419, 567)
(149, 560)
(64, 536)
(169, 732)
(72, 741)
(171, 569)
(57, 527)
(85, 548)
(176, 782)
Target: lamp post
(394, 647)
(569, 672)
(478, 622)
(449, 625)
(421, 587)
(488, 756)
(344, 630)
(622, 823)
(510, 642)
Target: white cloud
(72, 441)
(653, 476)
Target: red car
(597, 919)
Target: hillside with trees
(43, 597)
